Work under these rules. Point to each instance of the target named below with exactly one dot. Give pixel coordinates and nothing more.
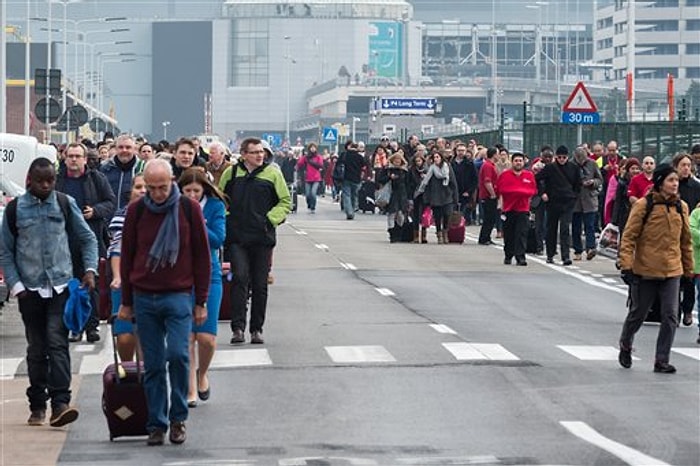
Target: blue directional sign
(274, 139)
(404, 105)
(330, 134)
(580, 118)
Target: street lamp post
(289, 67)
(165, 129)
(354, 120)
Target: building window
(664, 4)
(656, 73)
(249, 61)
(605, 43)
(692, 72)
(692, 24)
(692, 49)
(692, 2)
(657, 25)
(657, 49)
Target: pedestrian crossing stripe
(359, 354)
(241, 358)
(690, 352)
(8, 367)
(470, 351)
(593, 353)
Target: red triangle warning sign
(580, 100)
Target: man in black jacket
(467, 180)
(97, 202)
(560, 183)
(354, 163)
(689, 189)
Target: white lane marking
(428, 461)
(322, 247)
(690, 352)
(8, 367)
(211, 462)
(348, 266)
(469, 351)
(355, 354)
(575, 267)
(241, 358)
(611, 280)
(301, 232)
(593, 353)
(385, 292)
(587, 272)
(625, 453)
(597, 275)
(83, 348)
(624, 287)
(440, 328)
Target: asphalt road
(407, 354)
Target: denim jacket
(40, 256)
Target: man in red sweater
(163, 239)
(516, 186)
(643, 182)
(488, 176)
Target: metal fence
(485, 138)
(661, 139)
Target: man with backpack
(655, 252)
(37, 272)
(96, 201)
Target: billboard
(385, 49)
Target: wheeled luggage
(123, 397)
(293, 193)
(365, 196)
(456, 228)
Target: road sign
(98, 125)
(42, 80)
(395, 105)
(580, 101)
(330, 134)
(580, 118)
(53, 109)
(274, 139)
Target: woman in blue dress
(195, 184)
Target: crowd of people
(149, 209)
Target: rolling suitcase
(531, 247)
(123, 397)
(365, 196)
(456, 228)
(293, 193)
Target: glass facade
(249, 64)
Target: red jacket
(488, 172)
(312, 173)
(639, 186)
(193, 266)
(516, 190)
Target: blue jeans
(48, 358)
(350, 199)
(164, 322)
(588, 221)
(311, 192)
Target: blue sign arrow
(274, 139)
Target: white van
(16, 154)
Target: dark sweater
(354, 163)
(193, 266)
(689, 189)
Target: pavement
(354, 339)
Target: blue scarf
(165, 248)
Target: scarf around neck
(441, 173)
(166, 247)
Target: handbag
(609, 238)
(382, 196)
(426, 218)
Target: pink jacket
(312, 174)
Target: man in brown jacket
(655, 252)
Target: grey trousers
(642, 296)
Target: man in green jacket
(259, 202)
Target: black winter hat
(562, 150)
(660, 174)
